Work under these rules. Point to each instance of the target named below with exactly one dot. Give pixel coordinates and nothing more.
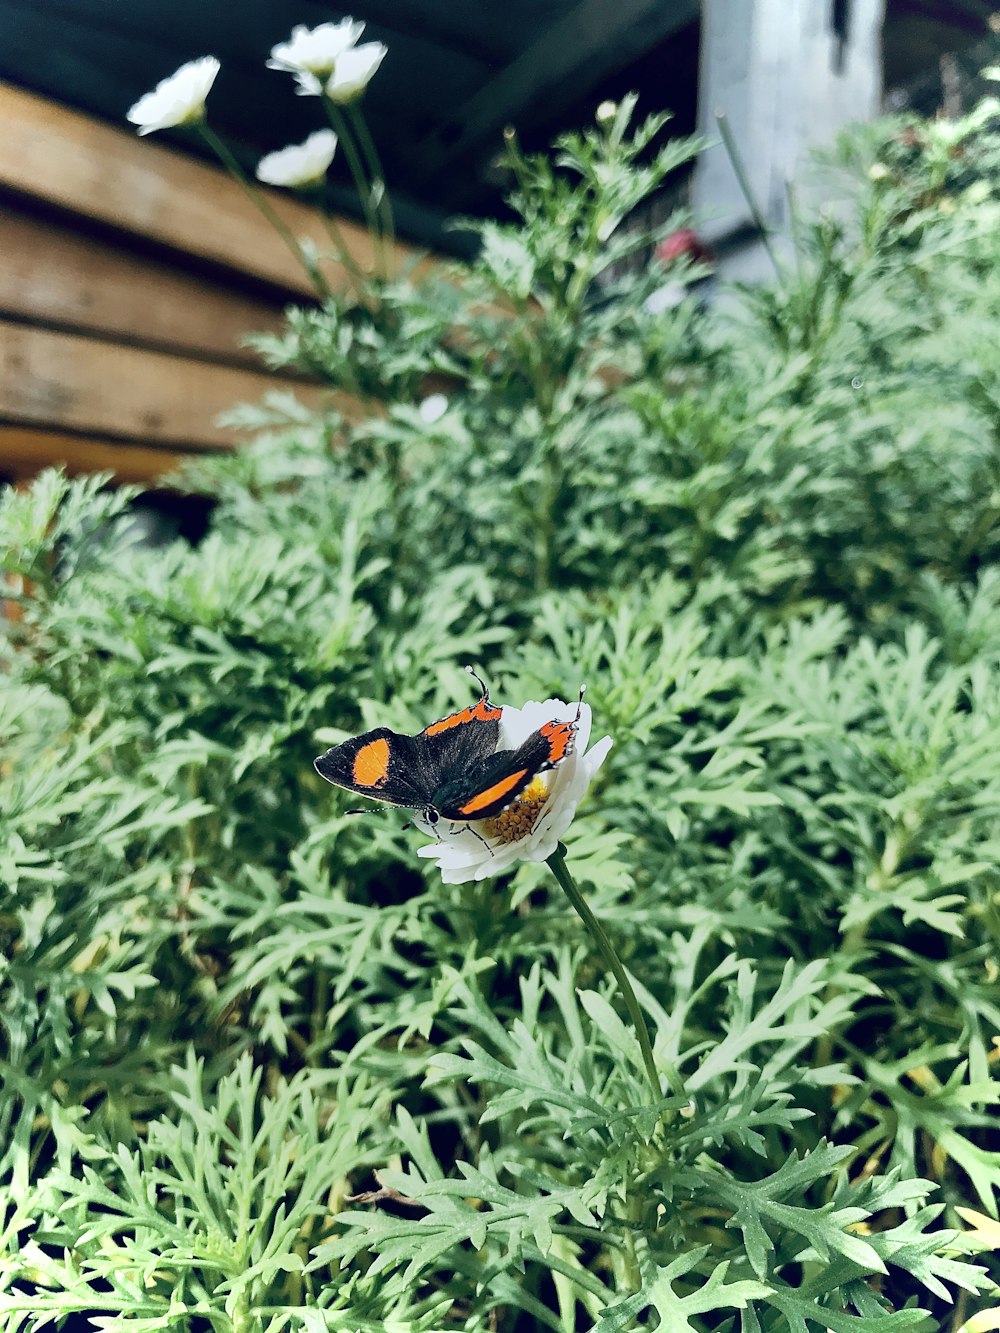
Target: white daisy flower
(351, 74)
(315, 51)
(300, 164)
(433, 408)
(531, 827)
(177, 100)
(353, 71)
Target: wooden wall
(128, 275)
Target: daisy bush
(268, 1065)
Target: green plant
(264, 1070)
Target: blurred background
(133, 269)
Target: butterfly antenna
(482, 683)
(379, 810)
(579, 702)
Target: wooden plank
(65, 381)
(24, 452)
(53, 275)
(80, 164)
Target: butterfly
(452, 769)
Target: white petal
(176, 100)
(447, 854)
(315, 50)
(353, 71)
(454, 867)
(596, 756)
(300, 164)
(517, 724)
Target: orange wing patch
(477, 712)
(482, 800)
(371, 763)
(560, 738)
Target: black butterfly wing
(406, 770)
(463, 740)
(485, 790)
(383, 765)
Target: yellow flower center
(517, 821)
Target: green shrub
(263, 1070)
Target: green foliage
(261, 1070)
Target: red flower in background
(683, 244)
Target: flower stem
(345, 137)
(557, 864)
(375, 172)
(262, 203)
(354, 271)
(743, 180)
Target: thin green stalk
(345, 136)
(370, 154)
(263, 205)
(557, 864)
(729, 143)
(344, 257)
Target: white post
(787, 74)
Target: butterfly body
(452, 769)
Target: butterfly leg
(476, 834)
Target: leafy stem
(557, 864)
(243, 1320)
